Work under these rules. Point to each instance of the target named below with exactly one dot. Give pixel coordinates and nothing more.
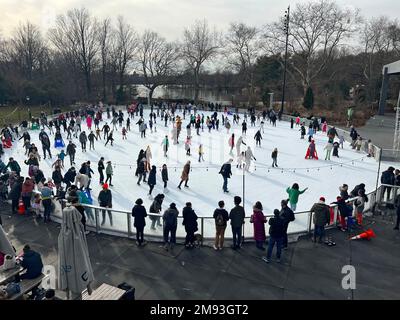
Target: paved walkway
(308, 271)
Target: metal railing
(303, 224)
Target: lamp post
(286, 29)
(29, 109)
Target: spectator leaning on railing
(387, 177)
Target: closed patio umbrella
(75, 270)
(5, 245)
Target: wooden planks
(104, 292)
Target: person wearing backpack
(221, 217)
(288, 216)
(276, 236)
(170, 218)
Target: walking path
(308, 271)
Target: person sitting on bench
(32, 262)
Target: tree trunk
(196, 85)
(104, 85)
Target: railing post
(96, 212)
(309, 222)
(243, 228)
(129, 220)
(202, 230)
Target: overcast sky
(169, 17)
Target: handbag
(9, 262)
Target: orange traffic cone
(365, 235)
(21, 207)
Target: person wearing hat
(387, 178)
(105, 200)
(170, 218)
(139, 213)
(321, 218)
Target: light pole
(286, 29)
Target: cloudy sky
(169, 17)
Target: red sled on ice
(314, 156)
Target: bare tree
(125, 43)
(27, 49)
(316, 30)
(104, 43)
(76, 37)
(242, 50)
(158, 60)
(199, 45)
(394, 35)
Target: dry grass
(17, 114)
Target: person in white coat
(82, 180)
(148, 157)
(249, 156)
(328, 148)
(239, 142)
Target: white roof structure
(392, 68)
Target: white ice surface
(205, 183)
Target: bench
(27, 285)
(8, 274)
(104, 292)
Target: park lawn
(14, 114)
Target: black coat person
(45, 145)
(190, 223)
(226, 172)
(288, 216)
(139, 213)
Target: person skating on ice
(201, 153)
(302, 131)
(231, 143)
(274, 156)
(165, 145)
(328, 148)
(91, 138)
(110, 138)
(164, 176)
(71, 151)
(83, 139)
(239, 143)
(106, 130)
(226, 172)
(185, 175)
(100, 169)
(294, 193)
(312, 151)
(188, 143)
(109, 173)
(244, 127)
(249, 156)
(258, 138)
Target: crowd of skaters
(36, 190)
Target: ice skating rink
(262, 183)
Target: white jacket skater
(248, 157)
(82, 179)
